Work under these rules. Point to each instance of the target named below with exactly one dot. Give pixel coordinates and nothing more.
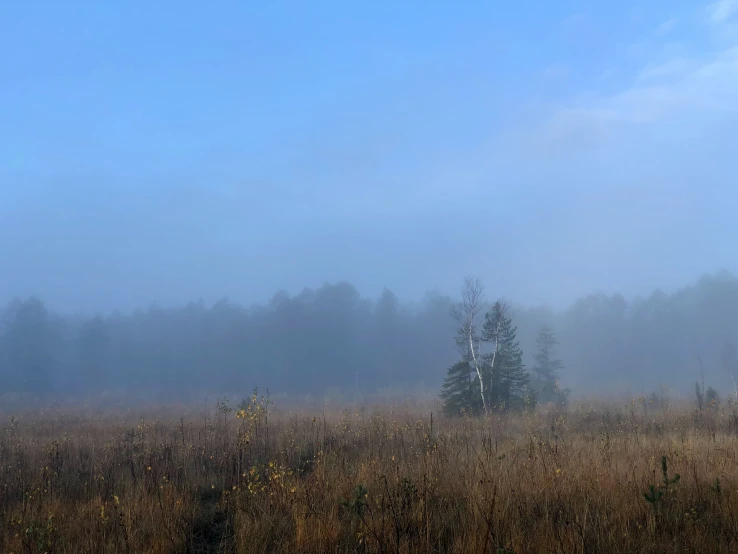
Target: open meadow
(624, 477)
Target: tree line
(332, 338)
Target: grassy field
(380, 479)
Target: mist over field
(158, 160)
(331, 343)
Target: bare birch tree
(466, 312)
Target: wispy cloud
(671, 68)
(721, 11)
(665, 27)
(697, 82)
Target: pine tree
(546, 368)
(513, 376)
(505, 371)
(460, 391)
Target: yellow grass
(375, 480)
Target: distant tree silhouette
(30, 345)
(547, 368)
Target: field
(261, 478)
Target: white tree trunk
(478, 370)
(466, 312)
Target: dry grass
(370, 481)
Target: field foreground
(586, 479)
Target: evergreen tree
(513, 376)
(547, 367)
(504, 368)
(461, 390)
(31, 344)
(491, 331)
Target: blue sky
(174, 150)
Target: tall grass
(262, 479)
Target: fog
(331, 342)
(155, 161)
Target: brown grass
(376, 480)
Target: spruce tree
(513, 376)
(504, 369)
(460, 391)
(547, 367)
(491, 335)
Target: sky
(171, 151)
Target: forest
(334, 341)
